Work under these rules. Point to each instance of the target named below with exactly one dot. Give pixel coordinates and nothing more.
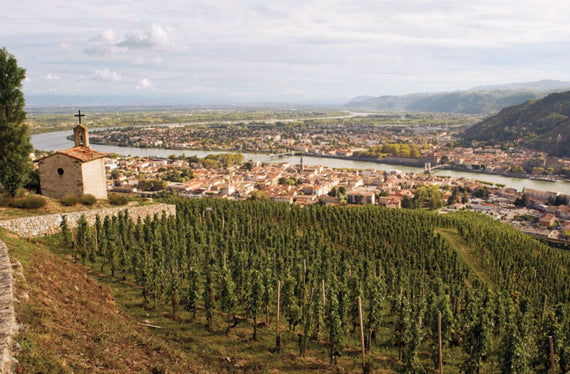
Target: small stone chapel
(79, 170)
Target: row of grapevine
(218, 256)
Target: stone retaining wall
(7, 318)
(49, 224)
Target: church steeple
(80, 133)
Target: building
(361, 197)
(79, 170)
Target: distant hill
(538, 124)
(478, 100)
(544, 85)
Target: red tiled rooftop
(82, 153)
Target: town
(226, 176)
(432, 145)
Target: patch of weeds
(69, 200)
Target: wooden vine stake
(439, 345)
(362, 334)
(552, 355)
(277, 337)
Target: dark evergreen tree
(15, 146)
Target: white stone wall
(49, 224)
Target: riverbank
(420, 163)
(393, 161)
(57, 140)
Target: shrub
(88, 199)
(29, 202)
(69, 200)
(116, 199)
(4, 200)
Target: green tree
(334, 324)
(15, 147)
(515, 351)
(291, 308)
(192, 295)
(523, 201)
(257, 195)
(173, 289)
(374, 294)
(227, 295)
(65, 232)
(82, 238)
(476, 341)
(208, 296)
(255, 299)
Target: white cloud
(155, 38)
(141, 60)
(65, 47)
(302, 48)
(101, 44)
(106, 75)
(144, 84)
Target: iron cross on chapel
(80, 115)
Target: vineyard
(220, 265)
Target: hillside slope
(73, 324)
(466, 102)
(477, 100)
(538, 124)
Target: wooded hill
(477, 100)
(466, 102)
(537, 124)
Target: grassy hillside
(154, 295)
(538, 124)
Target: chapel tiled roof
(82, 153)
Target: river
(54, 141)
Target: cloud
(65, 47)
(156, 37)
(141, 60)
(101, 44)
(300, 48)
(106, 75)
(144, 84)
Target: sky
(259, 51)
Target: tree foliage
(15, 147)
